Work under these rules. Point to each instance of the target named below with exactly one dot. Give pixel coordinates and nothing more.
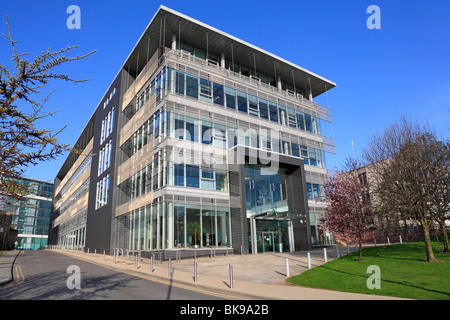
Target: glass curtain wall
(179, 225)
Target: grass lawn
(403, 273)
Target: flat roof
(167, 22)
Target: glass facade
(167, 225)
(266, 193)
(31, 216)
(171, 225)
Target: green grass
(404, 273)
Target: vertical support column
(170, 226)
(253, 235)
(174, 42)
(222, 60)
(291, 236)
(310, 91)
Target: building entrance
(269, 242)
(270, 235)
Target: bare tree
(407, 162)
(22, 143)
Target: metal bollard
(170, 268)
(337, 251)
(136, 261)
(325, 254)
(389, 242)
(401, 239)
(103, 255)
(287, 268)
(195, 271)
(95, 253)
(231, 276)
(151, 263)
(309, 260)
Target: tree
(409, 162)
(22, 143)
(349, 212)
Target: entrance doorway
(269, 242)
(270, 235)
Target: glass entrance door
(268, 242)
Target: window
(253, 105)
(102, 192)
(192, 176)
(230, 98)
(309, 190)
(192, 130)
(295, 149)
(273, 112)
(104, 157)
(218, 94)
(242, 101)
(179, 127)
(205, 90)
(221, 180)
(219, 136)
(208, 179)
(179, 87)
(300, 120)
(191, 86)
(308, 123)
(292, 121)
(206, 133)
(304, 152)
(263, 111)
(179, 175)
(107, 125)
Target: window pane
(273, 112)
(192, 176)
(178, 229)
(193, 232)
(242, 101)
(221, 180)
(179, 174)
(223, 227)
(206, 133)
(263, 111)
(300, 120)
(295, 149)
(192, 86)
(191, 130)
(208, 226)
(230, 98)
(180, 83)
(218, 94)
(308, 123)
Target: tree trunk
(360, 251)
(444, 236)
(428, 248)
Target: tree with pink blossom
(349, 212)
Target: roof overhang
(167, 22)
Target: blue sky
(402, 68)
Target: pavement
(7, 259)
(255, 277)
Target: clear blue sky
(402, 68)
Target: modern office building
(202, 140)
(30, 217)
